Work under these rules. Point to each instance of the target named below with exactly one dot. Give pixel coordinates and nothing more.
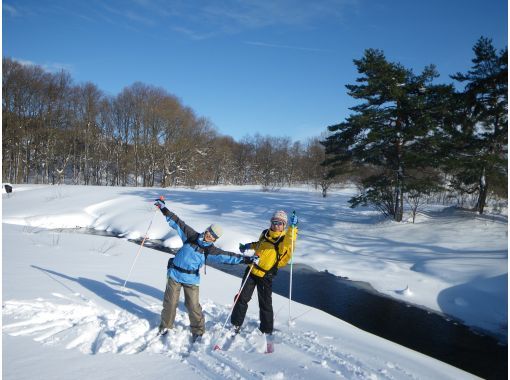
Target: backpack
(274, 269)
(193, 242)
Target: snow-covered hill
(64, 311)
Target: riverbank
(437, 335)
(449, 260)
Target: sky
(276, 68)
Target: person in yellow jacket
(274, 250)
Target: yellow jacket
(266, 251)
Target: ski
(227, 342)
(196, 338)
(269, 343)
(193, 342)
(149, 341)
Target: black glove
(270, 274)
(251, 259)
(159, 203)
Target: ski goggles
(277, 223)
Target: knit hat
(215, 230)
(280, 215)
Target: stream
(426, 331)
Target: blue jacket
(192, 255)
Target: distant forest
(407, 141)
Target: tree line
(407, 140)
(409, 137)
(55, 131)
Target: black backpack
(274, 269)
(193, 241)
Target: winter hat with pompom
(215, 230)
(280, 215)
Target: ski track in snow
(87, 327)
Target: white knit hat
(215, 230)
(280, 215)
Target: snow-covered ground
(64, 312)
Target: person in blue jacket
(183, 270)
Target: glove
(251, 259)
(244, 247)
(159, 203)
(294, 220)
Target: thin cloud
(56, 67)
(209, 19)
(52, 67)
(255, 14)
(193, 34)
(130, 15)
(137, 18)
(24, 62)
(10, 9)
(277, 46)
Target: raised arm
(289, 241)
(183, 230)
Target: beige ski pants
(191, 301)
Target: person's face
(208, 237)
(277, 225)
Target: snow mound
(405, 292)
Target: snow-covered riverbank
(64, 289)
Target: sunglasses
(212, 234)
(276, 222)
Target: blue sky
(278, 68)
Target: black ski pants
(265, 294)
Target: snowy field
(65, 314)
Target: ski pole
(217, 346)
(291, 264)
(140, 248)
(303, 313)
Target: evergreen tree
(389, 132)
(479, 144)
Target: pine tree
(389, 132)
(481, 141)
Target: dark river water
(422, 330)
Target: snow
(63, 299)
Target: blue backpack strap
(193, 242)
